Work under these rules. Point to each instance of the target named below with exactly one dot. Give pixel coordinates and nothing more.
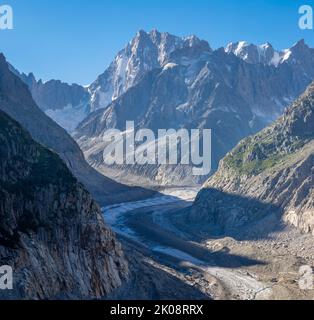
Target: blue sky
(75, 40)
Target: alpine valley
(74, 227)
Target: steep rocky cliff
(271, 171)
(51, 231)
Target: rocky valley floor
(162, 249)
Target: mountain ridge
(69, 104)
(275, 167)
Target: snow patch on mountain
(69, 117)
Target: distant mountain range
(66, 104)
(267, 55)
(163, 81)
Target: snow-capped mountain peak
(145, 52)
(267, 55)
(251, 53)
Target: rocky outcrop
(271, 171)
(51, 231)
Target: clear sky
(75, 40)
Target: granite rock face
(51, 231)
